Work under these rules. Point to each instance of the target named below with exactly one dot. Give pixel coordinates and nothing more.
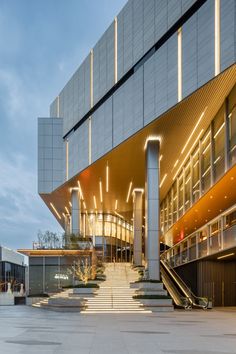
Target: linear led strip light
(129, 191)
(80, 190)
(100, 190)
(193, 146)
(55, 210)
(107, 178)
(163, 180)
(194, 129)
(227, 255)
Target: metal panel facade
(50, 154)
(147, 93)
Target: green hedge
(88, 285)
(38, 295)
(148, 281)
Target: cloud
(21, 209)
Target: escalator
(182, 296)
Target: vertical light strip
(179, 64)
(90, 140)
(130, 186)
(67, 159)
(116, 204)
(91, 78)
(58, 106)
(95, 202)
(217, 37)
(100, 190)
(107, 178)
(115, 50)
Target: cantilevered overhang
(127, 161)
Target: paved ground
(29, 331)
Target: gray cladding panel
(78, 150)
(140, 24)
(103, 64)
(189, 56)
(172, 71)
(50, 154)
(227, 32)
(205, 42)
(102, 130)
(53, 108)
(128, 108)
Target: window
(219, 144)
(206, 161)
(181, 195)
(232, 136)
(187, 186)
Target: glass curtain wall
(205, 165)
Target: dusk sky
(42, 43)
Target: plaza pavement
(28, 330)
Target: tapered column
(152, 209)
(67, 224)
(137, 225)
(75, 212)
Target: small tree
(83, 272)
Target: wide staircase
(115, 294)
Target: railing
(212, 243)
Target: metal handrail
(179, 300)
(185, 289)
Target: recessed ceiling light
(211, 196)
(208, 210)
(226, 197)
(232, 178)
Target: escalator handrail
(174, 296)
(186, 291)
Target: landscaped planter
(66, 302)
(150, 285)
(6, 299)
(156, 304)
(84, 290)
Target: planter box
(66, 302)
(150, 292)
(149, 285)
(84, 290)
(33, 300)
(157, 305)
(6, 299)
(155, 302)
(134, 285)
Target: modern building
(12, 269)
(140, 146)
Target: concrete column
(137, 225)
(152, 209)
(75, 212)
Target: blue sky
(42, 43)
